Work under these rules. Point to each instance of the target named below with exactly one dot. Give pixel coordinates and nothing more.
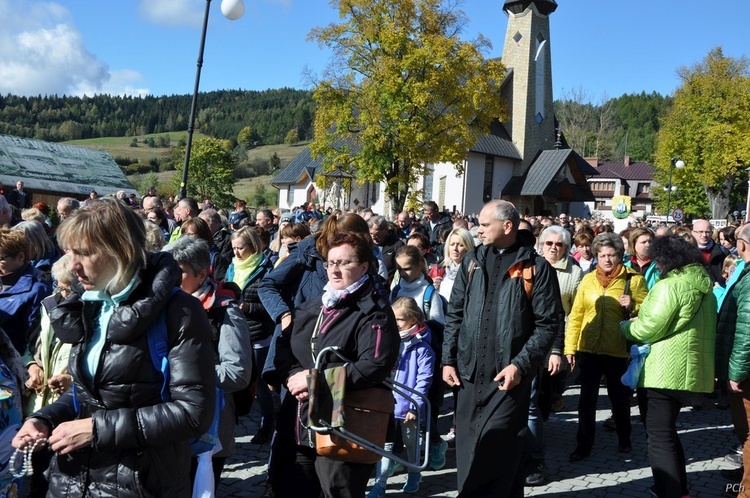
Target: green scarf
(243, 269)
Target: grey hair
(505, 211)
(154, 237)
(37, 237)
(60, 271)
(212, 215)
(377, 221)
(555, 230)
(69, 202)
(608, 239)
(193, 253)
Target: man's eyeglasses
(341, 264)
(702, 232)
(549, 243)
(743, 240)
(3, 258)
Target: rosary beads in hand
(26, 450)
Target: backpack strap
(528, 273)
(158, 346)
(395, 291)
(427, 300)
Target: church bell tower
(527, 54)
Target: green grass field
(120, 147)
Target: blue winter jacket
(297, 279)
(414, 369)
(20, 306)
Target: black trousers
(313, 476)
(664, 448)
(592, 367)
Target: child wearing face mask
(416, 284)
(414, 369)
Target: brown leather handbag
(360, 412)
(366, 414)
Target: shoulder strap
(628, 276)
(528, 273)
(472, 268)
(158, 346)
(427, 300)
(395, 291)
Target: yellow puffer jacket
(594, 321)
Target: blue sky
(603, 47)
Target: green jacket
(727, 320)
(739, 359)
(678, 320)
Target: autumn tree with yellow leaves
(708, 127)
(402, 91)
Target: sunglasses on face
(549, 243)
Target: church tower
(528, 91)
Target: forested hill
(270, 114)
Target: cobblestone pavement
(706, 435)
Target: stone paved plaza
(706, 435)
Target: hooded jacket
(140, 444)
(678, 320)
(20, 306)
(414, 369)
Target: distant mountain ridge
(271, 114)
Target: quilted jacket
(140, 444)
(739, 360)
(678, 320)
(594, 321)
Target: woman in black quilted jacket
(112, 434)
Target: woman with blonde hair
(248, 268)
(458, 243)
(113, 433)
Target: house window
(290, 195)
(489, 169)
(642, 189)
(603, 186)
(374, 191)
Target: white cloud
(41, 52)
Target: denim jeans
(534, 445)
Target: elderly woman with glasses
(606, 296)
(554, 244)
(355, 316)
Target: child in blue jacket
(414, 369)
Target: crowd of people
(499, 311)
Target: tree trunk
(718, 198)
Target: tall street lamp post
(673, 163)
(233, 10)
